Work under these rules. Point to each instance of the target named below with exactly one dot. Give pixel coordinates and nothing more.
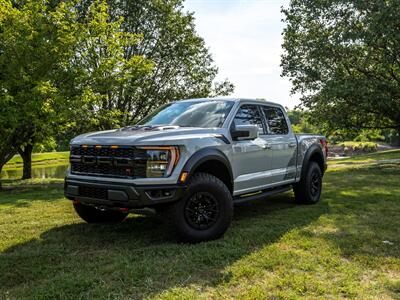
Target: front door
(251, 158)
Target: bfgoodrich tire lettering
(92, 215)
(308, 190)
(205, 211)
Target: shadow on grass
(138, 258)
(139, 255)
(24, 196)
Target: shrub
(350, 146)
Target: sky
(244, 38)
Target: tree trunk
(395, 139)
(398, 137)
(1, 168)
(26, 155)
(5, 156)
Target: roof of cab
(258, 100)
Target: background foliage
(68, 67)
(342, 57)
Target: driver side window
(249, 115)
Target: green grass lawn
(368, 158)
(39, 159)
(347, 246)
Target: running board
(261, 194)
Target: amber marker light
(114, 147)
(183, 176)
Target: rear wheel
(308, 190)
(91, 214)
(205, 211)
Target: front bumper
(120, 195)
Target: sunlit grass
(347, 246)
(368, 158)
(39, 159)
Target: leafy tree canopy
(182, 65)
(71, 66)
(54, 66)
(343, 58)
(32, 55)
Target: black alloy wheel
(202, 210)
(315, 183)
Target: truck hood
(145, 135)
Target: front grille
(121, 162)
(130, 152)
(93, 192)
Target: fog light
(158, 194)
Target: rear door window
(275, 120)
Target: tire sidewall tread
(202, 182)
(302, 188)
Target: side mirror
(244, 132)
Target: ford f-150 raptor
(194, 159)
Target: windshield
(206, 114)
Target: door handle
(291, 145)
(266, 146)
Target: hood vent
(149, 127)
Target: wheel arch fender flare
(204, 155)
(312, 152)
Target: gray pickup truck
(193, 160)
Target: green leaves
(54, 67)
(182, 67)
(67, 67)
(342, 56)
(106, 72)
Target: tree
(183, 66)
(343, 57)
(300, 120)
(83, 65)
(29, 54)
(46, 70)
(106, 73)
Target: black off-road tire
(206, 200)
(92, 215)
(308, 189)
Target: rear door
(251, 158)
(283, 144)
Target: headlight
(161, 161)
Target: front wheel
(308, 189)
(91, 214)
(205, 211)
